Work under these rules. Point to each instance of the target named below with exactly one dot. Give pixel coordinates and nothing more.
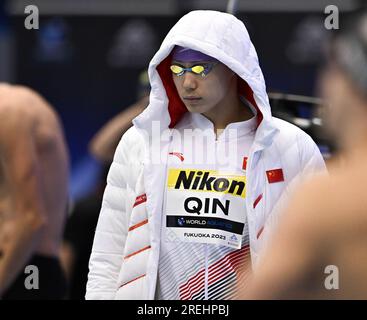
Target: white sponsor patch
(205, 206)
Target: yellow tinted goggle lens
(176, 69)
(180, 70)
(198, 69)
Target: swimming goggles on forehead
(199, 69)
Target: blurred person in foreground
(33, 194)
(196, 182)
(320, 248)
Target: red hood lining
(176, 107)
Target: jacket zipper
(206, 246)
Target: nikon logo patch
(207, 180)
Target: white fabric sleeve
(109, 240)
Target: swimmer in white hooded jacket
(197, 183)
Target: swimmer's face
(202, 94)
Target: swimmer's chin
(195, 107)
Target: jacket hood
(220, 35)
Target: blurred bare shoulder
(330, 206)
(24, 111)
(309, 205)
(15, 99)
(15, 118)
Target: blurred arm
(24, 225)
(104, 143)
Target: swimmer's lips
(192, 99)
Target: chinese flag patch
(275, 175)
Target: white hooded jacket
(125, 254)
